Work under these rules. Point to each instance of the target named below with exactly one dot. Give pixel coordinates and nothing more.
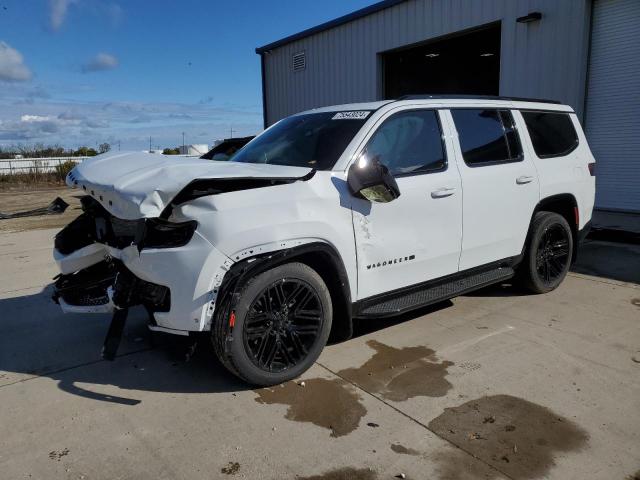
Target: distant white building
(194, 149)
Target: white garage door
(613, 103)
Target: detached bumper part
(109, 287)
(87, 288)
(108, 284)
(114, 334)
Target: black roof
(476, 97)
(363, 12)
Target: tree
(104, 148)
(171, 151)
(85, 152)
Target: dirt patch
(396, 447)
(231, 469)
(15, 201)
(347, 473)
(398, 374)
(57, 455)
(513, 435)
(331, 404)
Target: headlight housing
(162, 234)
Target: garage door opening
(464, 64)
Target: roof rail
(476, 97)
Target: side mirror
(372, 180)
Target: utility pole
(150, 144)
(231, 131)
(118, 145)
(183, 150)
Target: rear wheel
(282, 323)
(548, 254)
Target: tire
(548, 254)
(273, 339)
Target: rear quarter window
(552, 134)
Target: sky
(84, 72)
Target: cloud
(141, 119)
(180, 116)
(101, 62)
(206, 100)
(72, 123)
(12, 67)
(31, 127)
(58, 12)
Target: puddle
(513, 435)
(347, 473)
(398, 374)
(331, 404)
(396, 447)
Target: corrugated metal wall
(613, 103)
(544, 59)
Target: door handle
(443, 192)
(524, 179)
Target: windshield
(315, 140)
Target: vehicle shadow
(38, 340)
(611, 260)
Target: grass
(36, 177)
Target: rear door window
(487, 136)
(409, 143)
(552, 134)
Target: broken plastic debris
(56, 207)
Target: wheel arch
(565, 205)
(320, 256)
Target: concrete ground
(492, 385)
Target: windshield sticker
(358, 115)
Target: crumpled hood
(132, 185)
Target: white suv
(351, 211)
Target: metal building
(585, 53)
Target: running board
(428, 293)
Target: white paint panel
(613, 103)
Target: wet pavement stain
(347, 473)
(401, 449)
(634, 476)
(331, 404)
(399, 374)
(457, 465)
(521, 439)
(231, 468)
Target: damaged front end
(94, 281)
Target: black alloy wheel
(548, 253)
(552, 256)
(282, 324)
